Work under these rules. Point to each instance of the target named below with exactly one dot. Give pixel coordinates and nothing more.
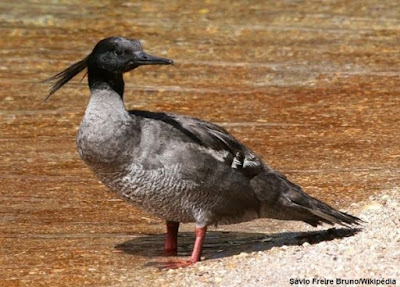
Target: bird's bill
(143, 58)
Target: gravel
(372, 253)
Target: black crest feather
(65, 76)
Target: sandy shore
(372, 254)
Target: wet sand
(313, 89)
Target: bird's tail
(282, 199)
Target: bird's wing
(210, 136)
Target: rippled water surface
(313, 89)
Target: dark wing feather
(210, 136)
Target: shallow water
(312, 89)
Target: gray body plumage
(184, 169)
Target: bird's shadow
(219, 244)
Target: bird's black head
(120, 55)
(111, 57)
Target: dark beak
(145, 59)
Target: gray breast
(107, 134)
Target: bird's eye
(118, 52)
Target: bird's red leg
(198, 244)
(196, 254)
(171, 240)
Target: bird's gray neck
(107, 133)
(104, 80)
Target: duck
(179, 168)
